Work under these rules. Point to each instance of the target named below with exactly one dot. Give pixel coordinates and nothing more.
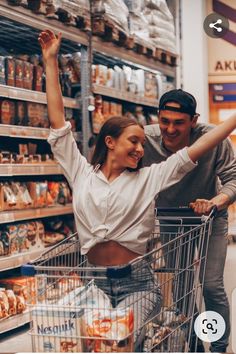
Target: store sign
(222, 87)
(221, 51)
(229, 12)
(227, 66)
(224, 98)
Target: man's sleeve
(152, 145)
(226, 169)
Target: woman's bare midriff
(110, 253)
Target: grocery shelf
(73, 38)
(124, 96)
(18, 259)
(32, 96)
(30, 169)
(28, 18)
(15, 131)
(7, 324)
(28, 214)
(117, 52)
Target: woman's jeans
(132, 286)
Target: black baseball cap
(186, 101)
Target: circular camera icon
(209, 326)
(215, 25)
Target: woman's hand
(50, 44)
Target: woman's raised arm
(50, 44)
(212, 138)
(62, 143)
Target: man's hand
(202, 206)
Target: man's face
(175, 128)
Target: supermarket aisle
(21, 341)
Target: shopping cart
(70, 312)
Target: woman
(113, 198)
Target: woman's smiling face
(128, 148)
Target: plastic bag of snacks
(105, 329)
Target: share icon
(213, 25)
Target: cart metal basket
(70, 312)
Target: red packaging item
(7, 111)
(19, 64)
(10, 71)
(28, 75)
(38, 78)
(21, 118)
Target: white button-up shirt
(121, 210)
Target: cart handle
(28, 270)
(186, 209)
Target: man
(212, 182)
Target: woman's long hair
(113, 127)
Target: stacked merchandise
(33, 235)
(16, 292)
(17, 112)
(160, 24)
(24, 157)
(13, 302)
(22, 195)
(22, 71)
(27, 72)
(105, 109)
(114, 10)
(152, 22)
(149, 21)
(124, 79)
(136, 82)
(71, 12)
(138, 24)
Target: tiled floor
(20, 341)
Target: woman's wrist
(52, 61)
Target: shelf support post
(85, 92)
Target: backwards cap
(186, 101)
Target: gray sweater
(216, 170)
